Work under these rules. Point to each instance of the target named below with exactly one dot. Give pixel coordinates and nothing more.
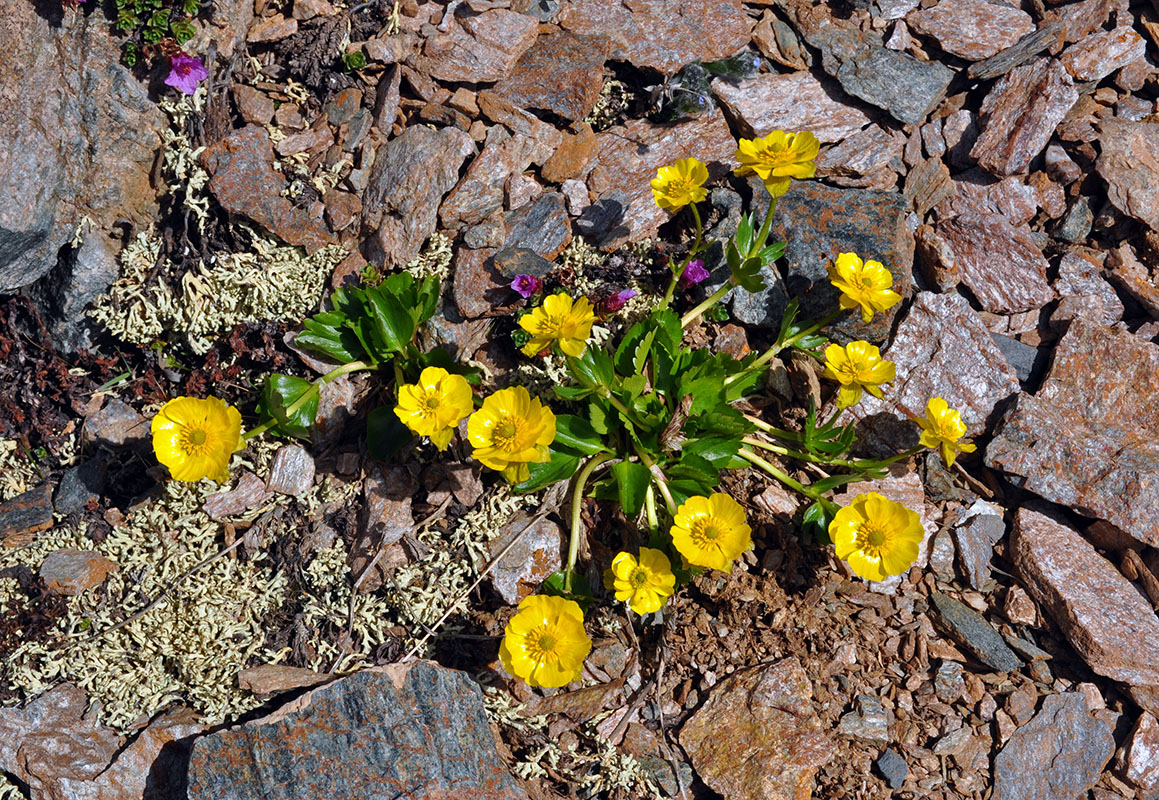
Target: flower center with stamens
(638, 578)
(195, 441)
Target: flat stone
(72, 572)
(927, 184)
(530, 561)
(626, 162)
(897, 82)
(270, 679)
(757, 735)
(116, 423)
(562, 73)
(250, 492)
(972, 29)
(975, 539)
(1027, 48)
(573, 156)
(1106, 619)
(343, 209)
(1134, 278)
(1000, 262)
(936, 260)
(777, 42)
(942, 553)
(547, 137)
(408, 731)
(1100, 54)
(662, 34)
(478, 48)
(386, 518)
(244, 181)
(980, 193)
(1059, 753)
(1141, 760)
(1076, 226)
(80, 485)
(292, 471)
(308, 9)
(542, 226)
(256, 107)
(26, 514)
(392, 49)
(870, 722)
(272, 29)
(512, 261)
(1020, 113)
(949, 683)
(1084, 293)
(971, 630)
(480, 193)
(479, 288)
(311, 140)
(892, 767)
(862, 156)
(411, 174)
(1127, 164)
(818, 222)
(1081, 440)
(791, 101)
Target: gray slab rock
(896, 82)
(971, 630)
(405, 731)
(1058, 754)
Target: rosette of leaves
(689, 91)
(147, 24)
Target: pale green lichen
(18, 472)
(435, 259)
(182, 167)
(9, 790)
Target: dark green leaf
(279, 394)
(563, 465)
(581, 590)
(815, 522)
(385, 434)
(632, 479)
(394, 322)
(577, 434)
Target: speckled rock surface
(1000, 262)
(479, 47)
(792, 101)
(410, 732)
(562, 73)
(972, 29)
(1127, 163)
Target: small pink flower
(526, 285)
(616, 301)
(185, 72)
(694, 273)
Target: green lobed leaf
(563, 464)
(576, 433)
(279, 393)
(581, 590)
(632, 479)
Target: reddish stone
(977, 192)
(1127, 163)
(292, 472)
(1020, 113)
(1000, 262)
(662, 34)
(1084, 293)
(71, 572)
(479, 289)
(244, 181)
(792, 101)
(546, 136)
(573, 156)
(757, 735)
(480, 193)
(311, 140)
(116, 423)
(529, 562)
(1086, 439)
(255, 107)
(542, 226)
(250, 492)
(267, 679)
(935, 258)
(562, 73)
(478, 48)
(1140, 765)
(1132, 277)
(1106, 619)
(1100, 54)
(386, 518)
(342, 209)
(25, 515)
(865, 159)
(972, 29)
(272, 29)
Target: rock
(1126, 163)
(292, 471)
(71, 572)
(406, 731)
(530, 561)
(250, 492)
(81, 275)
(572, 157)
(1016, 55)
(975, 538)
(972, 29)
(479, 289)
(870, 722)
(927, 184)
(942, 551)
(116, 423)
(79, 133)
(478, 48)
(512, 261)
(244, 181)
(53, 739)
(1059, 753)
(1084, 442)
(411, 174)
(1020, 113)
(764, 308)
(562, 73)
(270, 679)
(893, 768)
(312, 140)
(480, 193)
(308, 9)
(1025, 359)
(386, 518)
(272, 29)
(662, 34)
(941, 349)
(343, 209)
(79, 485)
(863, 159)
(777, 42)
(25, 515)
(896, 82)
(1100, 54)
(576, 194)
(936, 260)
(1134, 278)
(971, 630)
(817, 222)
(1075, 227)
(546, 136)
(792, 101)
(1084, 293)
(1104, 617)
(627, 159)
(1000, 262)
(977, 192)
(542, 226)
(1141, 754)
(1018, 607)
(757, 734)
(949, 684)
(151, 766)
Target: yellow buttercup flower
(777, 158)
(645, 585)
(559, 320)
(711, 531)
(433, 406)
(857, 366)
(942, 427)
(195, 438)
(877, 536)
(545, 644)
(682, 183)
(510, 431)
(866, 284)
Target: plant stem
(657, 478)
(775, 349)
(780, 433)
(650, 509)
(577, 498)
(706, 304)
(679, 272)
(773, 472)
(306, 396)
(859, 464)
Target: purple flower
(694, 273)
(616, 301)
(526, 285)
(185, 72)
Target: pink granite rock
(972, 29)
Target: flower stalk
(577, 499)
